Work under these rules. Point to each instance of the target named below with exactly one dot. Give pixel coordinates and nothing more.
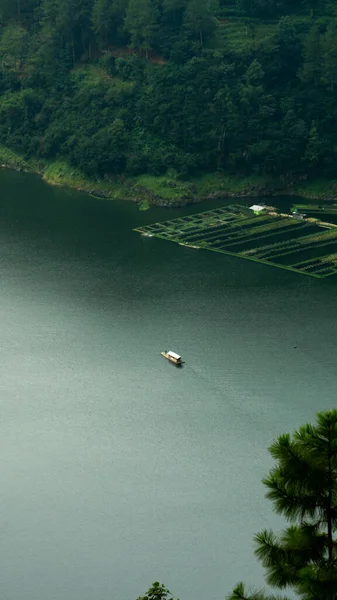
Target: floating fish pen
(309, 209)
(279, 240)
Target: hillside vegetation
(171, 88)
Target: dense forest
(147, 86)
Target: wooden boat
(172, 357)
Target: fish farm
(294, 242)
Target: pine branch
(304, 543)
(297, 465)
(239, 593)
(282, 565)
(288, 499)
(319, 582)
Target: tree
(259, 7)
(312, 68)
(315, 148)
(58, 24)
(83, 29)
(107, 18)
(330, 54)
(174, 5)
(157, 592)
(141, 23)
(16, 9)
(13, 47)
(198, 19)
(293, 143)
(303, 488)
(101, 19)
(66, 24)
(284, 55)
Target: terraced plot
(299, 245)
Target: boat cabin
(173, 357)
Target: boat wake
(209, 381)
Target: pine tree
(312, 67)
(173, 5)
(13, 47)
(9, 10)
(101, 19)
(198, 19)
(58, 23)
(174, 8)
(303, 488)
(314, 149)
(330, 54)
(141, 23)
(107, 17)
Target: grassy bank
(318, 189)
(11, 160)
(167, 190)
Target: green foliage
(198, 20)
(144, 205)
(330, 54)
(157, 592)
(59, 173)
(303, 488)
(107, 20)
(12, 159)
(143, 86)
(174, 6)
(239, 593)
(141, 23)
(13, 47)
(312, 65)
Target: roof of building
(173, 354)
(257, 207)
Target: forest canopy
(145, 86)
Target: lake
(117, 469)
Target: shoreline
(168, 191)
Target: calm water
(117, 469)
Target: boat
(172, 357)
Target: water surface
(117, 469)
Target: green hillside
(121, 90)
